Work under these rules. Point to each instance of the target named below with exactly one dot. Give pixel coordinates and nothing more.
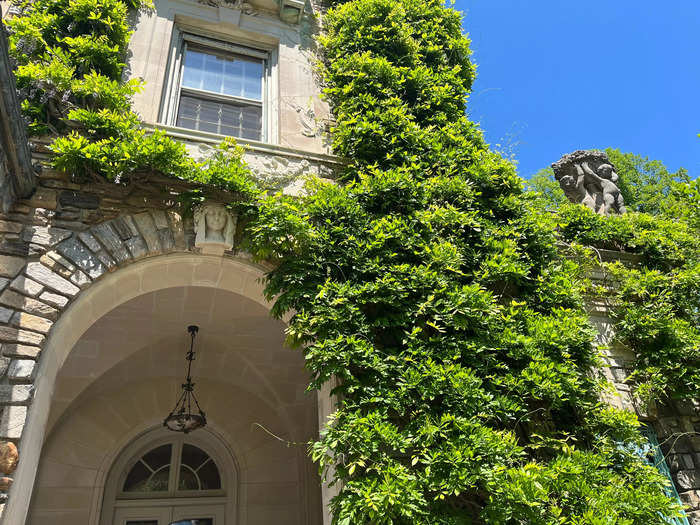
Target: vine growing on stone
(70, 65)
(435, 293)
(655, 303)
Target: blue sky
(560, 75)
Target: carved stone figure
(8, 457)
(589, 178)
(214, 228)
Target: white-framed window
(219, 87)
(164, 478)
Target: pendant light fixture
(182, 418)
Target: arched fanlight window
(172, 469)
(167, 478)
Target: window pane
(213, 73)
(193, 457)
(137, 477)
(253, 80)
(198, 471)
(209, 476)
(193, 70)
(234, 75)
(194, 521)
(141, 522)
(157, 457)
(234, 78)
(225, 118)
(159, 480)
(151, 473)
(188, 479)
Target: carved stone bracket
(290, 11)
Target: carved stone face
(606, 171)
(216, 218)
(567, 182)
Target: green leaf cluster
(433, 292)
(70, 70)
(656, 303)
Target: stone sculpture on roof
(589, 178)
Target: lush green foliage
(656, 302)
(646, 185)
(549, 193)
(435, 292)
(70, 63)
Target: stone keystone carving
(214, 228)
(588, 177)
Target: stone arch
(71, 280)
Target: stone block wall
(676, 423)
(677, 426)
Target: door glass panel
(194, 521)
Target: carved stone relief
(589, 178)
(243, 6)
(214, 228)
(307, 120)
(274, 172)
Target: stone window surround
(198, 24)
(171, 89)
(297, 117)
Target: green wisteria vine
(69, 56)
(436, 293)
(655, 303)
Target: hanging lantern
(182, 418)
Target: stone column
(327, 404)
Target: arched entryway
(111, 372)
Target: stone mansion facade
(98, 283)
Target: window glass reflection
(234, 75)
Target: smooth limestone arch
(236, 275)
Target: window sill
(204, 137)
